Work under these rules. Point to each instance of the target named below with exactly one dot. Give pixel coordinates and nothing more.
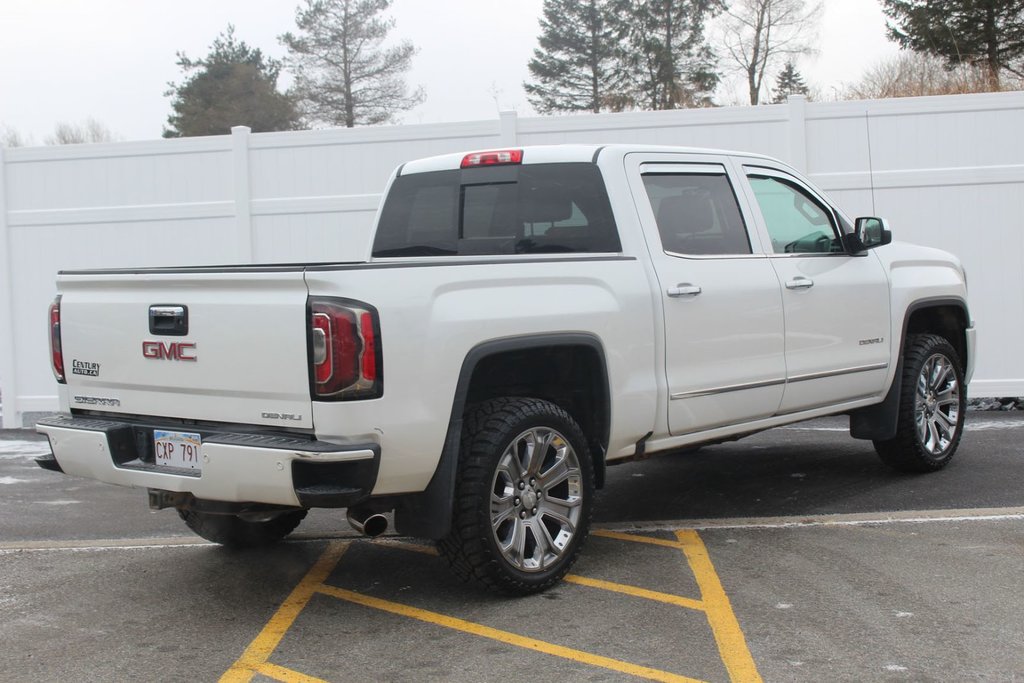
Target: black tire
(541, 515)
(235, 532)
(933, 404)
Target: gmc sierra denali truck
(525, 317)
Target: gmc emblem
(169, 351)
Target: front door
(724, 335)
(838, 335)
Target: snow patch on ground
(14, 480)
(23, 450)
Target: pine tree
(576, 66)
(789, 82)
(671, 65)
(988, 32)
(234, 85)
(344, 76)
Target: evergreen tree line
(612, 55)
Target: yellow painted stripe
(732, 646)
(269, 638)
(651, 540)
(279, 673)
(677, 600)
(505, 637)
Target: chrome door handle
(684, 289)
(800, 282)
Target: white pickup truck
(525, 318)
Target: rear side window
(529, 209)
(697, 214)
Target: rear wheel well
(571, 376)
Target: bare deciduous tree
(915, 74)
(90, 130)
(11, 137)
(758, 33)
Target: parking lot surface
(793, 555)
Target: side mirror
(869, 232)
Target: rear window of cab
(520, 209)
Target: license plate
(181, 450)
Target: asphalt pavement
(792, 555)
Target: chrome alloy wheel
(536, 499)
(937, 405)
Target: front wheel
(234, 531)
(933, 402)
(523, 496)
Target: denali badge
(97, 401)
(280, 416)
(81, 367)
(169, 351)
(876, 340)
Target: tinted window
(796, 221)
(697, 214)
(530, 209)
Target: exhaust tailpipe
(366, 522)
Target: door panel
(725, 357)
(836, 305)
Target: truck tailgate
(220, 345)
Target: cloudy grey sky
(66, 60)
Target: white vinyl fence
(946, 171)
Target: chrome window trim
(716, 257)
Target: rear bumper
(237, 467)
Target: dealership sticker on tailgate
(182, 450)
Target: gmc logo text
(169, 351)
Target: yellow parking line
(260, 649)
(677, 600)
(504, 636)
(732, 646)
(280, 673)
(651, 540)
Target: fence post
(797, 132)
(243, 204)
(509, 128)
(8, 368)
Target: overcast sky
(67, 60)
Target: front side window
(529, 209)
(797, 222)
(697, 213)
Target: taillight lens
(497, 157)
(345, 360)
(56, 351)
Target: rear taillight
(345, 358)
(56, 351)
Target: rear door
(225, 346)
(836, 304)
(725, 356)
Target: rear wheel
(523, 496)
(235, 531)
(933, 402)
